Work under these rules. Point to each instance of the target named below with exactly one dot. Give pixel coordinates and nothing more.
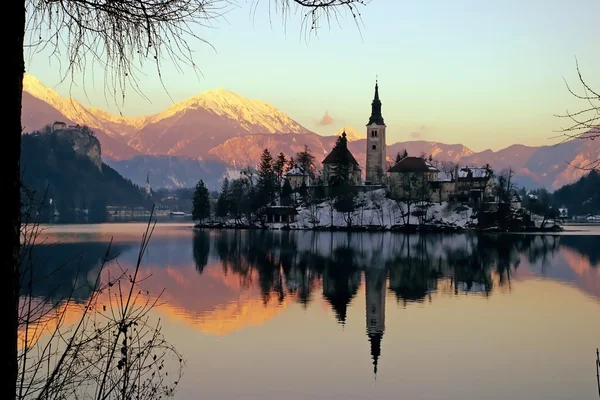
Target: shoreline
(426, 228)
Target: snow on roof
(444, 177)
(473, 172)
(295, 171)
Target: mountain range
(218, 132)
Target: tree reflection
(201, 249)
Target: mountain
(191, 128)
(226, 131)
(171, 172)
(71, 110)
(64, 170)
(351, 134)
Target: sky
(486, 74)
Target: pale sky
(486, 74)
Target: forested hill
(68, 164)
(581, 197)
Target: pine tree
(286, 193)
(201, 202)
(267, 179)
(306, 161)
(279, 166)
(400, 156)
(223, 202)
(290, 164)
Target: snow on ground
(375, 209)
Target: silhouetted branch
(121, 36)
(585, 123)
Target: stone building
(297, 177)
(412, 178)
(376, 144)
(339, 162)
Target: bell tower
(376, 157)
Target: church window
(374, 147)
(373, 133)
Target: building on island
(340, 164)
(415, 178)
(297, 177)
(376, 144)
(280, 214)
(412, 178)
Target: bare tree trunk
(10, 182)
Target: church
(341, 158)
(411, 177)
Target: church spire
(376, 117)
(375, 341)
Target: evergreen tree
(223, 202)
(400, 155)
(201, 202)
(306, 161)
(279, 166)
(286, 193)
(267, 179)
(290, 164)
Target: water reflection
(290, 263)
(221, 282)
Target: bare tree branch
(120, 37)
(583, 124)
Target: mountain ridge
(223, 126)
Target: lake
(320, 315)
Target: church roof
(340, 153)
(376, 117)
(413, 164)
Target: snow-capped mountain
(194, 126)
(351, 134)
(224, 127)
(113, 125)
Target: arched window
(374, 147)
(373, 133)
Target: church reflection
(295, 265)
(250, 276)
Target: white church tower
(376, 157)
(148, 189)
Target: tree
(505, 186)
(306, 160)
(279, 167)
(223, 202)
(290, 164)
(401, 156)
(267, 179)
(119, 36)
(286, 193)
(201, 202)
(584, 124)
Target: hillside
(69, 166)
(171, 172)
(581, 197)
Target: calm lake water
(299, 315)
